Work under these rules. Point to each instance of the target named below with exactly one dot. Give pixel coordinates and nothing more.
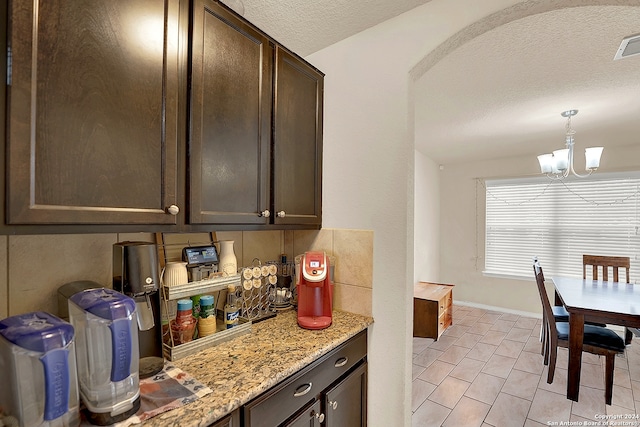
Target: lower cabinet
(231, 420)
(345, 404)
(342, 404)
(310, 416)
(330, 392)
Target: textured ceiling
(499, 93)
(306, 26)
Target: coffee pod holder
(258, 291)
(285, 285)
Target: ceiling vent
(630, 46)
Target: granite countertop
(248, 365)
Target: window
(559, 221)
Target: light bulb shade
(592, 156)
(561, 158)
(546, 162)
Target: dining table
(613, 303)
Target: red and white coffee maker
(315, 291)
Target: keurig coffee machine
(315, 290)
(135, 274)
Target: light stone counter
(248, 365)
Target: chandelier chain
(570, 131)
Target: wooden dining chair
(603, 264)
(560, 314)
(597, 339)
(597, 264)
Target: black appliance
(135, 274)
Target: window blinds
(559, 221)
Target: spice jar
(184, 325)
(207, 321)
(207, 308)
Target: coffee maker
(135, 274)
(315, 291)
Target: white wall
(462, 222)
(368, 173)
(426, 227)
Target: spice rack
(207, 286)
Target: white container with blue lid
(37, 356)
(107, 353)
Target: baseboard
(617, 328)
(500, 309)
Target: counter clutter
(248, 365)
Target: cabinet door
(230, 122)
(346, 403)
(297, 141)
(309, 417)
(231, 420)
(92, 111)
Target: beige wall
(462, 228)
(33, 267)
(426, 229)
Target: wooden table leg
(576, 335)
(557, 301)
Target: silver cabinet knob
(265, 213)
(173, 210)
(281, 214)
(318, 416)
(334, 404)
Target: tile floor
(486, 370)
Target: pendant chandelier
(559, 164)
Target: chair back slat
(598, 262)
(544, 298)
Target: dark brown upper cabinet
(230, 120)
(297, 145)
(155, 115)
(255, 152)
(92, 109)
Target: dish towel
(169, 389)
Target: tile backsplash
(33, 267)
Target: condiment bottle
(196, 305)
(207, 308)
(184, 325)
(207, 323)
(196, 311)
(231, 311)
(185, 311)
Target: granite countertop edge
(241, 369)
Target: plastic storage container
(38, 366)
(107, 354)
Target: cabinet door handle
(333, 405)
(173, 210)
(265, 213)
(302, 390)
(341, 362)
(281, 214)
